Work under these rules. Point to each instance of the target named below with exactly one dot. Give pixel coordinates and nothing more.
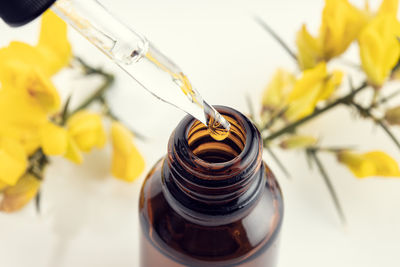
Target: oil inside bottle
(218, 126)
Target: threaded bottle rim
(207, 178)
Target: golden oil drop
(218, 126)
(216, 130)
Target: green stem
(291, 127)
(276, 37)
(384, 99)
(64, 113)
(89, 70)
(38, 199)
(278, 161)
(37, 163)
(250, 107)
(367, 113)
(108, 81)
(329, 185)
(274, 118)
(388, 132)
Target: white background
(90, 219)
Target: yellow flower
(87, 130)
(30, 79)
(17, 196)
(309, 51)
(73, 153)
(315, 85)
(84, 132)
(127, 163)
(298, 141)
(277, 90)
(380, 48)
(21, 117)
(54, 139)
(26, 98)
(52, 52)
(341, 25)
(13, 161)
(374, 163)
(27, 95)
(389, 7)
(53, 42)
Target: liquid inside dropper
(140, 60)
(218, 126)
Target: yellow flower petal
(17, 196)
(52, 52)
(308, 79)
(13, 161)
(54, 139)
(341, 25)
(27, 95)
(331, 83)
(374, 163)
(3, 186)
(25, 101)
(73, 153)
(127, 162)
(389, 7)
(32, 82)
(314, 85)
(380, 48)
(22, 53)
(87, 130)
(37, 85)
(53, 43)
(121, 138)
(277, 90)
(42, 89)
(309, 50)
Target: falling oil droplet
(218, 126)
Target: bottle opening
(214, 177)
(205, 147)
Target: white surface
(90, 219)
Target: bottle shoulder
(171, 233)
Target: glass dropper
(140, 59)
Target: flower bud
(298, 141)
(373, 163)
(392, 116)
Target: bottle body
(226, 214)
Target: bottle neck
(209, 181)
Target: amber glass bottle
(211, 203)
